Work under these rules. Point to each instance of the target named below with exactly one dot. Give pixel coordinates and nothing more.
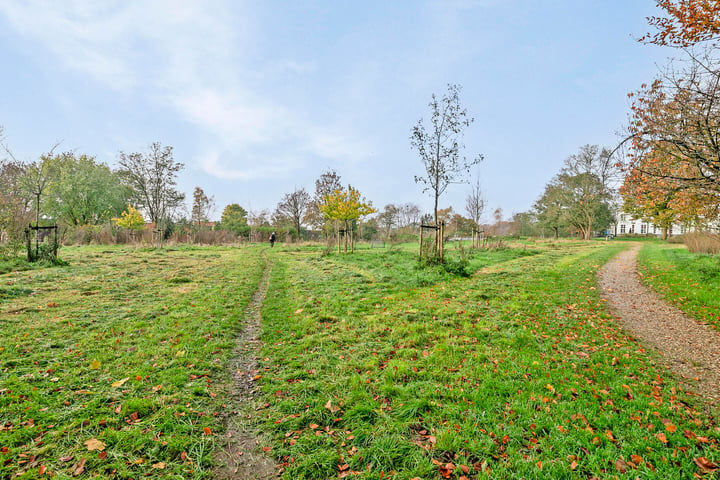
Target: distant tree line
(139, 200)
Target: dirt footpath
(241, 457)
(691, 349)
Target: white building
(626, 224)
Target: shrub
(703, 242)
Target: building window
(643, 229)
(622, 228)
(622, 217)
(682, 229)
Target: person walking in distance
(272, 239)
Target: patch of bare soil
(241, 457)
(690, 349)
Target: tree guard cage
(477, 236)
(343, 235)
(49, 250)
(439, 239)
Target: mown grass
(372, 367)
(128, 348)
(376, 369)
(691, 281)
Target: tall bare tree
(440, 147)
(294, 206)
(408, 215)
(38, 176)
(475, 203)
(153, 178)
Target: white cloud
(190, 57)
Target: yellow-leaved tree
(346, 206)
(131, 219)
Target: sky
(259, 98)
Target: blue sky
(259, 98)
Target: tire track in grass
(241, 456)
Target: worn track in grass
(690, 348)
(241, 456)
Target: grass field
(691, 281)
(116, 366)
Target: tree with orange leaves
(687, 23)
(673, 168)
(661, 200)
(675, 131)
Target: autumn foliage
(674, 160)
(131, 219)
(687, 23)
(346, 206)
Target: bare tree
(38, 175)
(294, 206)
(326, 184)
(591, 159)
(153, 179)
(475, 203)
(440, 148)
(388, 218)
(408, 215)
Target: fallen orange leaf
(705, 464)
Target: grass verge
(690, 281)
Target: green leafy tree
(234, 219)
(346, 206)
(581, 202)
(84, 192)
(580, 197)
(549, 208)
(15, 203)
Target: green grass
(122, 346)
(371, 367)
(380, 369)
(691, 281)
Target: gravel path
(691, 349)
